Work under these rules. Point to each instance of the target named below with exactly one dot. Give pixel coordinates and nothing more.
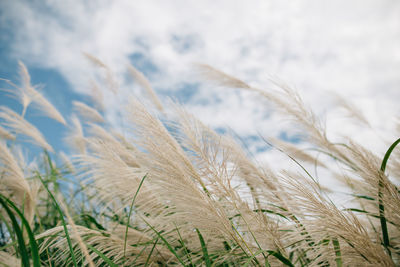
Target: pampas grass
(18, 125)
(175, 192)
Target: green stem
(385, 234)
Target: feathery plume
(141, 79)
(295, 152)
(13, 182)
(121, 147)
(75, 137)
(221, 78)
(87, 112)
(41, 103)
(352, 110)
(219, 162)
(20, 126)
(67, 162)
(325, 219)
(9, 260)
(96, 95)
(5, 134)
(109, 78)
(28, 94)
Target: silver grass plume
(19, 125)
(4, 134)
(13, 182)
(87, 112)
(109, 77)
(36, 98)
(176, 179)
(75, 137)
(141, 79)
(324, 219)
(9, 260)
(352, 110)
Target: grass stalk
(130, 213)
(385, 233)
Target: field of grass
(176, 193)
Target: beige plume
(20, 126)
(28, 94)
(87, 112)
(5, 134)
(75, 137)
(13, 182)
(141, 79)
(109, 77)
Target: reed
(177, 193)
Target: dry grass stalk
(96, 95)
(20, 126)
(87, 112)
(109, 77)
(141, 79)
(27, 94)
(352, 110)
(4, 134)
(75, 137)
(14, 184)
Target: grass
(183, 195)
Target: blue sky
(350, 48)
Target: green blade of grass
(184, 246)
(170, 248)
(207, 259)
(351, 245)
(244, 242)
(385, 233)
(139, 254)
(71, 250)
(387, 154)
(280, 257)
(32, 240)
(364, 197)
(249, 260)
(102, 256)
(9, 229)
(151, 252)
(263, 211)
(275, 254)
(89, 219)
(21, 243)
(130, 213)
(338, 254)
(370, 214)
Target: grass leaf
(170, 248)
(32, 240)
(206, 258)
(151, 252)
(101, 255)
(130, 213)
(385, 233)
(71, 250)
(21, 242)
(338, 254)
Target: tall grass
(175, 192)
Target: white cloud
(350, 47)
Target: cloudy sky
(351, 48)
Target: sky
(320, 48)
